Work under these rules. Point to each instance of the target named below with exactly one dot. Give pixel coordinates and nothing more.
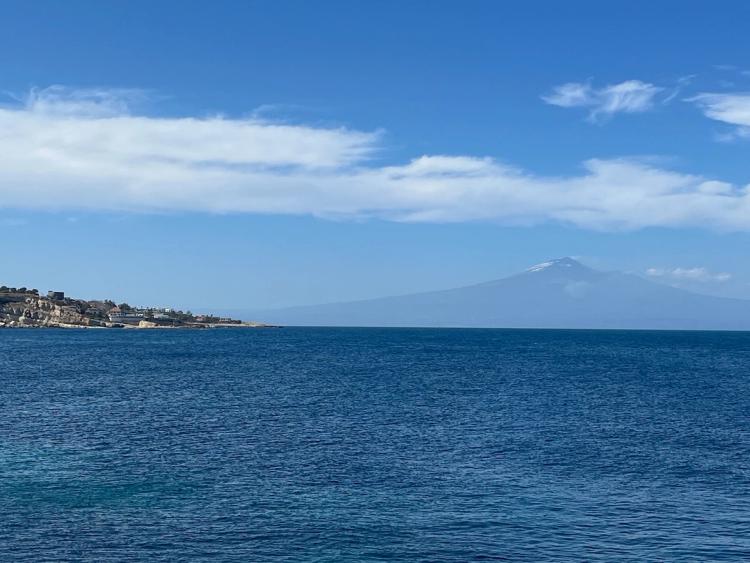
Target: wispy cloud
(697, 274)
(98, 102)
(13, 222)
(631, 96)
(733, 109)
(733, 69)
(59, 153)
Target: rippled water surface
(370, 445)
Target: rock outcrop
(32, 310)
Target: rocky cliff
(31, 310)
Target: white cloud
(697, 274)
(733, 109)
(81, 130)
(58, 152)
(571, 95)
(631, 96)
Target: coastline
(27, 308)
(68, 326)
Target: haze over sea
(374, 444)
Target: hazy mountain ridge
(561, 293)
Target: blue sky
(259, 154)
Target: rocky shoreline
(26, 308)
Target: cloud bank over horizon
(84, 150)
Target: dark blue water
(370, 445)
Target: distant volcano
(561, 293)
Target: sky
(248, 155)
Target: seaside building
(126, 318)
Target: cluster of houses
(135, 316)
(163, 316)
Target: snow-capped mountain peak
(565, 262)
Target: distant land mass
(26, 308)
(561, 293)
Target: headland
(27, 308)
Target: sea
(326, 444)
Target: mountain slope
(561, 293)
